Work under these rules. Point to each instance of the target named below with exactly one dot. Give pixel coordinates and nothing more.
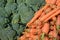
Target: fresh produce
(45, 24)
(14, 14)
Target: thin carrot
(54, 14)
(45, 28)
(37, 14)
(49, 14)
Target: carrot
(46, 38)
(45, 28)
(52, 22)
(53, 34)
(58, 3)
(51, 27)
(30, 38)
(48, 10)
(50, 39)
(58, 20)
(49, 14)
(50, 1)
(22, 37)
(42, 15)
(33, 31)
(55, 14)
(36, 37)
(39, 31)
(39, 27)
(54, 18)
(32, 26)
(37, 14)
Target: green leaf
(15, 18)
(25, 13)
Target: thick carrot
(45, 28)
(54, 14)
(58, 3)
(49, 14)
(50, 1)
(37, 14)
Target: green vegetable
(25, 13)
(14, 14)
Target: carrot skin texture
(45, 28)
(50, 1)
(55, 14)
(49, 14)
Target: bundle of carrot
(45, 25)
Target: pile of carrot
(45, 25)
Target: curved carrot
(37, 14)
(54, 14)
(45, 28)
(49, 14)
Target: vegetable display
(45, 24)
(14, 15)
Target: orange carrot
(22, 38)
(46, 38)
(42, 15)
(52, 22)
(32, 25)
(33, 31)
(48, 10)
(49, 14)
(39, 31)
(58, 20)
(53, 34)
(54, 18)
(55, 14)
(37, 14)
(58, 3)
(45, 28)
(52, 28)
(50, 1)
